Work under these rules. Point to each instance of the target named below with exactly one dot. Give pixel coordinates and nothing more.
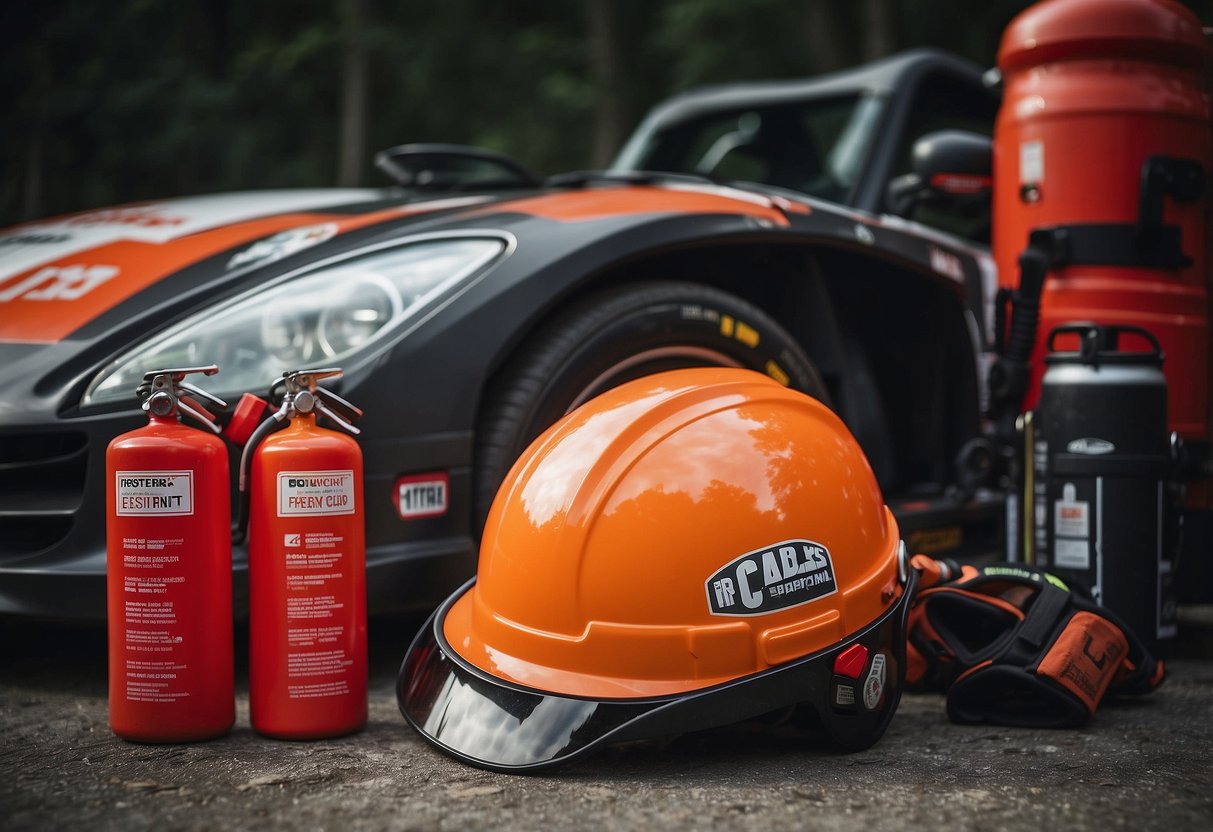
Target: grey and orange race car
(470, 306)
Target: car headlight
(321, 316)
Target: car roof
(882, 76)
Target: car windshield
(815, 146)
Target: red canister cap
(249, 412)
(1154, 30)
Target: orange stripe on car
(601, 203)
(50, 301)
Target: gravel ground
(1140, 764)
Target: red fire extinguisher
(307, 566)
(169, 569)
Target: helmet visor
(499, 725)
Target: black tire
(614, 336)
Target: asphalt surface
(1141, 764)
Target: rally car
(782, 226)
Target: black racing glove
(1012, 645)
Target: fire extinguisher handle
(199, 393)
(198, 416)
(179, 373)
(302, 385)
(164, 391)
(347, 409)
(330, 413)
(306, 379)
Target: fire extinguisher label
(315, 492)
(164, 493)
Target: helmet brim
(499, 725)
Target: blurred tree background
(140, 99)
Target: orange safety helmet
(690, 549)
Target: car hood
(73, 287)
(76, 290)
(59, 274)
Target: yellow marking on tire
(776, 372)
(747, 335)
(930, 541)
(726, 326)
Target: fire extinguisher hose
(275, 421)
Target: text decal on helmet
(776, 577)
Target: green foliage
(733, 40)
(140, 99)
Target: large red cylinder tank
(1093, 90)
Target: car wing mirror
(950, 166)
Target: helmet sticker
(774, 578)
(873, 686)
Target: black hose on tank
(1025, 314)
(1008, 379)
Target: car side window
(806, 146)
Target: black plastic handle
(1095, 338)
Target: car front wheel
(614, 336)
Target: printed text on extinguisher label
(318, 658)
(315, 492)
(165, 493)
(155, 589)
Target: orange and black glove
(1012, 645)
